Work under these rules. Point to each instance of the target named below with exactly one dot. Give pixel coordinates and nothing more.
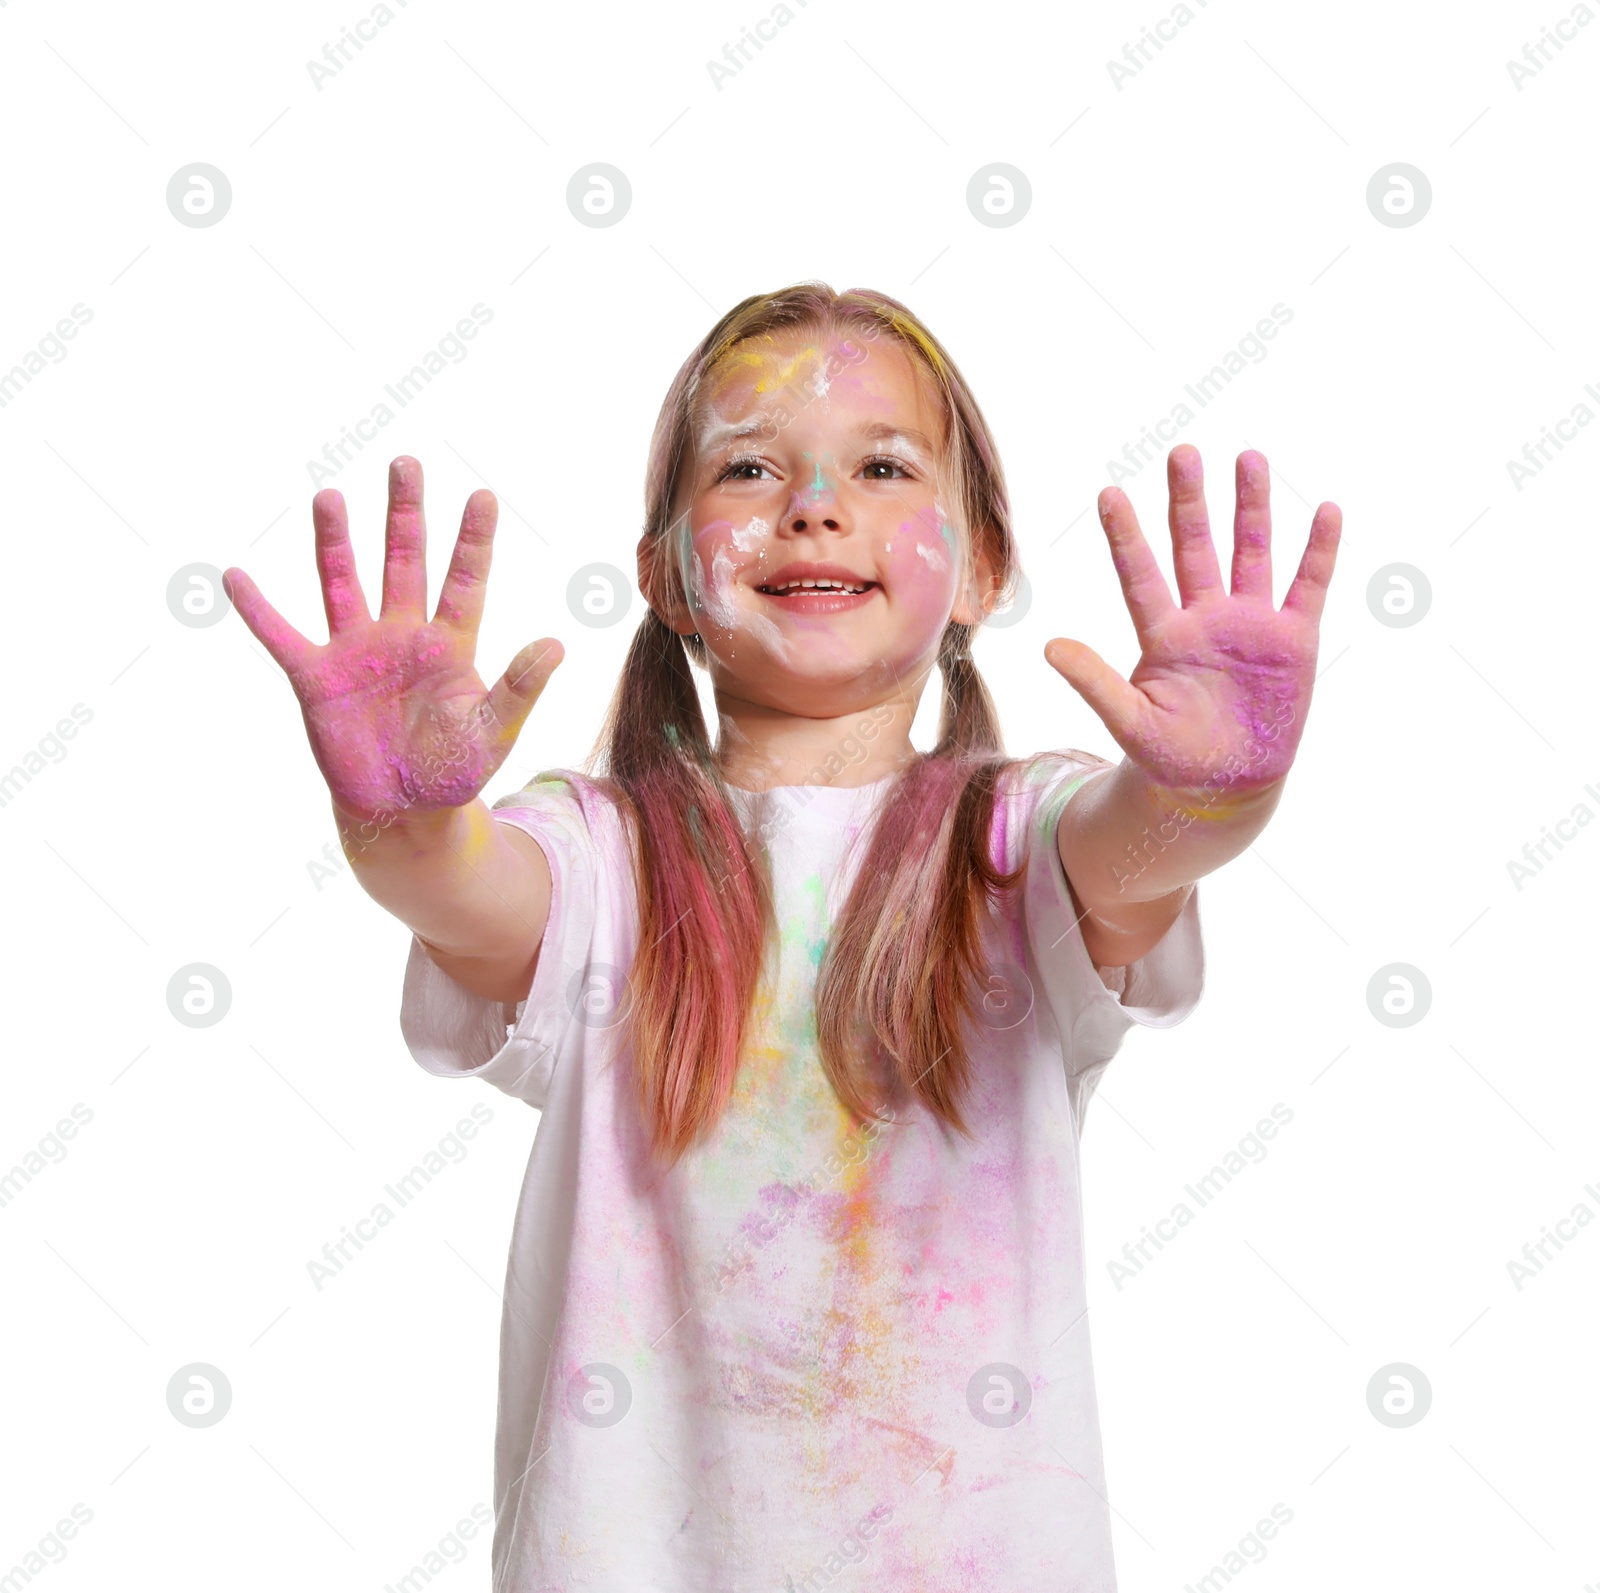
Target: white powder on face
(913, 453)
(766, 629)
(750, 538)
(720, 604)
(715, 599)
(716, 433)
(762, 628)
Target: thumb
(512, 697)
(1115, 702)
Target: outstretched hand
(1223, 683)
(396, 713)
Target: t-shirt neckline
(832, 790)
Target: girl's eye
(885, 462)
(879, 467)
(735, 469)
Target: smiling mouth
(819, 596)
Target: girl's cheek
(717, 553)
(742, 542)
(751, 539)
(707, 538)
(705, 562)
(921, 561)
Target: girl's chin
(767, 664)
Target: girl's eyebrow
(882, 431)
(715, 437)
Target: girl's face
(817, 559)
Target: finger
(461, 596)
(1144, 587)
(289, 649)
(342, 598)
(1118, 705)
(1194, 558)
(405, 575)
(1309, 590)
(1252, 527)
(516, 691)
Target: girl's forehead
(770, 363)
(791, 369)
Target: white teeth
(824, 585)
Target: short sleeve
(455, 1033)
(1159, 990)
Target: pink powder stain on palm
(377, 756)
(1264, 696)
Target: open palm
(1223, 683)
(397, 716)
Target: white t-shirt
(812, 1356)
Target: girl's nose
(798, 519)
(813, 505)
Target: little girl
(796, 1291)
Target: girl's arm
(476, 893)
(1210, 717)
(406, 735)
(1132, 851)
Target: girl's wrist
(1224, 798)
(1214, 802)
(359, 830)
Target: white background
(1168, 216)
